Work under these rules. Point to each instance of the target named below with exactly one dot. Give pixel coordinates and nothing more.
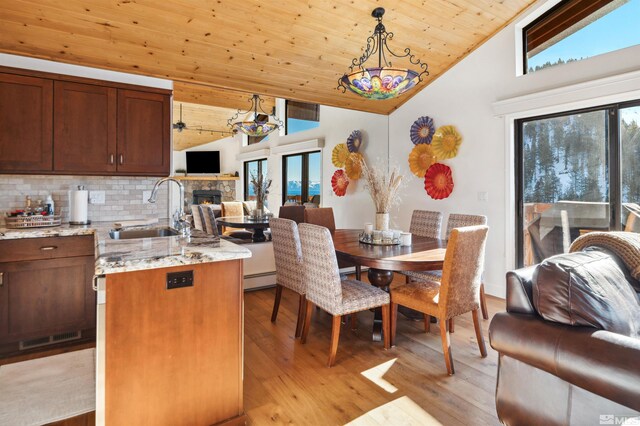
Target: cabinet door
(46, 297)
(144, 132)
(84, 135)
(26, 115)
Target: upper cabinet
(68, 125)
(26, 112)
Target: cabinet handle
(1, 279)
(48, 248)
(111, 159)
(121, 158)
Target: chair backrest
(457, 220)
(232, 208)
(288, 254)
(425, 223)
(208, 217)
(293, 212)
(322, 216)
(249, 206)
(462, 270)
(198, 220)
(320, 267)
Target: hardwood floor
(288, 383)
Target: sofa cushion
(587, 288)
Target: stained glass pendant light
(384, 81)
(260, 125)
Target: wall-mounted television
(203, 161)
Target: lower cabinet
(46, 301)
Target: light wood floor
(288, 383)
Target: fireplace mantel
(207, 177)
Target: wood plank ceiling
(291, 49)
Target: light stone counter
(114, 256)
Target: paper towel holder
(83, 220)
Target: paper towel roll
(78, 206)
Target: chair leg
(276, 303)
(476, 325)
(354, 321)
(358, 272)
(302, 308)
(307, 322)
(393, 307)
(335, 336)
(386, 329)
(451, 325)
(407, 279)
(427, 323)
(446, 346)
(483, 303)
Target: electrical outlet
(96, 197)
(483, 196)
(145, 197)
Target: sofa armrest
(601, 362)
(520, 291)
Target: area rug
(46, 390)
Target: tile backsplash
(123, 195)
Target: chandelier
(384, 81)
(260, 125)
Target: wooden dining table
(424, 254)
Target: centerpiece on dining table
(383, 188)
(260, 185)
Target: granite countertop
(114, 256)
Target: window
(301, 177)
(301, 116)
(576, 173)
(579, 29)
(252, 168)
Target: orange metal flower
(353, 166)
(420, 159)
(438, 181)
(339, 183)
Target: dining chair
(326, 290)
(234, 208)
(424, 223)
(288, 256)
(293, 212)
(456, 220)
(457, 293)
(204, 218)
(323, 216)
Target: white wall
(464, 96)
(228, 147)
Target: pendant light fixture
(384, 81)
(260, 125)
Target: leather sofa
(550, 373)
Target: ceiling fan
(181, 125)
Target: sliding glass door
(575, 174)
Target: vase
(382, 221)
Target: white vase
(382, 221)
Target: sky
(616, 30)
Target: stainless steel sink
(127, 234)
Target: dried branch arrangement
(382, 187)
(260, 185)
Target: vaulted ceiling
(292, 49)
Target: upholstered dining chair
(234, 208)
(288, 256)
(326, 290)
(457, 293)
(204, 218)
(292, 211)
(323, 216)
(455, 220)
(424, 223)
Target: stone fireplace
(208, 190)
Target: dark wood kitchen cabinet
(26, 111)
(46, 293)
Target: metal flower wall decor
(347, 158)
(432, 146)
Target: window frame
(286, 114)
(304, 194)
(247, 177)
(614, 166)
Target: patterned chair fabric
(322, 216)
(234, 208)
(322, 276)
(293, 212)
(426, 223)
(287, 253)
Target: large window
(301, 177)
(301, 116)
(579, 29)
(577, 172)
(253, 168)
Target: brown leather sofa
(551, 373)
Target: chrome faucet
(179, 217)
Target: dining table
(424, 254)
(256, 225)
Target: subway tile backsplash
(123, 195)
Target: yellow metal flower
(420, 159)
(445, 142)
(353, 166)
(339, 155)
